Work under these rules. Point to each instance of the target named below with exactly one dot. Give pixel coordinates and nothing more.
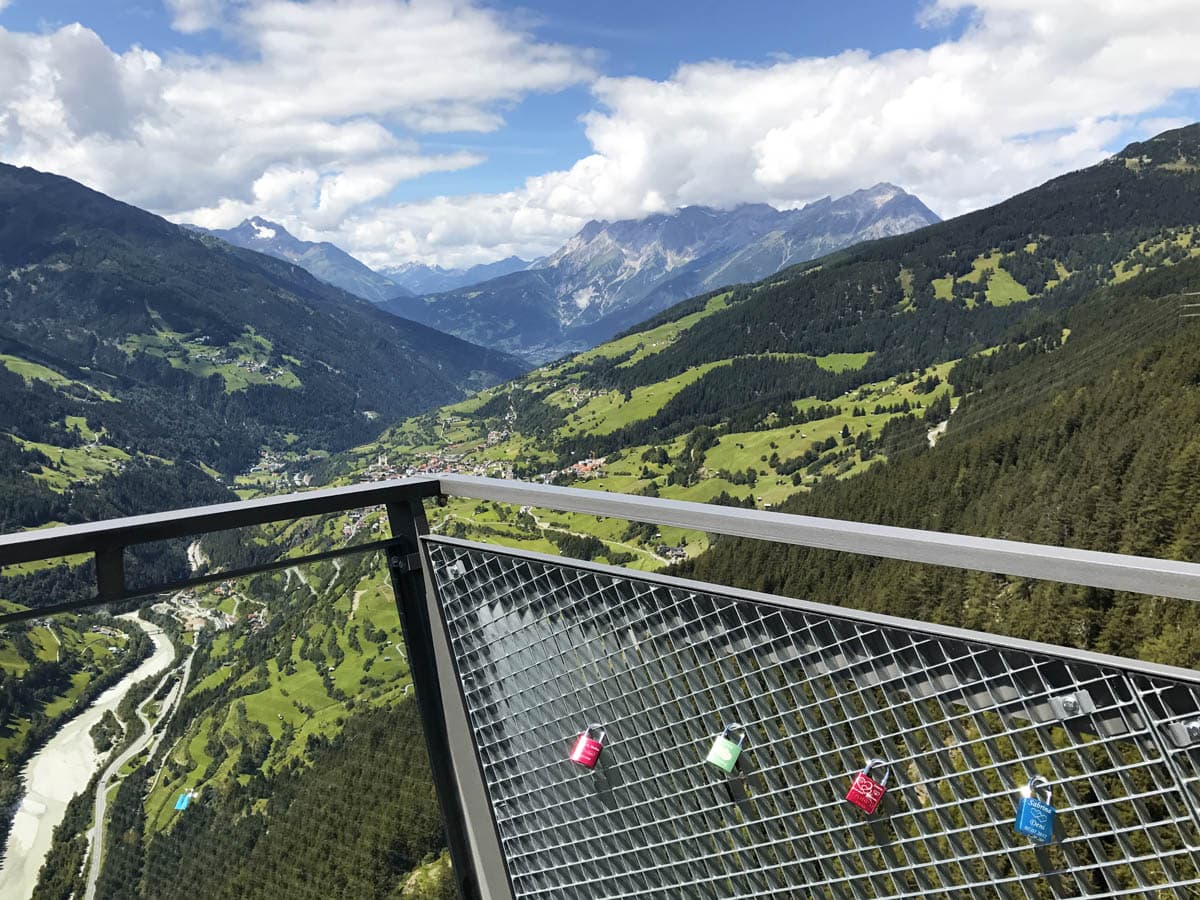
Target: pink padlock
(865, 792)
(587, 748)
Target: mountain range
(327, 261)
(133, 351)
(612, 275)
(419, 278)
(335, 266)
(608, 277)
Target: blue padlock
(1035, 816)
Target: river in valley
(60, 770)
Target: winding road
(61, 769)
(148, 739)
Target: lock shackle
(596, 727)
(732, 727)
(1037, 783)
(881, 763)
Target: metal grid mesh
(544, 647)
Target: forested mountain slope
(361, 783)
(137, 359)
(1095, 444)
(925, 297)
(760, 390)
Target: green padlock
(725, 751)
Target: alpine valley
(608, 277)
(144, 366)
(1025, 371)
(612, 275)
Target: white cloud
(320, 121)
(320, 117)
(1031, 89)
(190, 16)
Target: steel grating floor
(545, 646)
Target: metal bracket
(404, 562)
(1186, 733)
(1068, 706)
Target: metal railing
(514, 653)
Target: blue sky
(464, 130)
(629, 38)
(651, 40)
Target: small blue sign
(184, 799)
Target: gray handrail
(96, 537)
(1114, 571)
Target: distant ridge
(326, 261)
(418, 278)
(612, 275)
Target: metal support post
(407, 520)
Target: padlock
(865, 792)
(725, 752)
(1035, 816)
(587, 748)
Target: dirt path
(196, 558)
(937, 432)
(337, 573)
(300, 575)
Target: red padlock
(866, 793)
(587, 748)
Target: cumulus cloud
(190, 16)
(1028, 90)
(322, 117)
(330, 99)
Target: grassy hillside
(756, 394)
(1093, 445)
(144, 367)
(1022, 371)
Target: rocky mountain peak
(611, 275)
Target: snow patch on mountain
(612, 275)
(326, 261)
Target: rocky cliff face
(612, 275)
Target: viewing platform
(595, 731)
